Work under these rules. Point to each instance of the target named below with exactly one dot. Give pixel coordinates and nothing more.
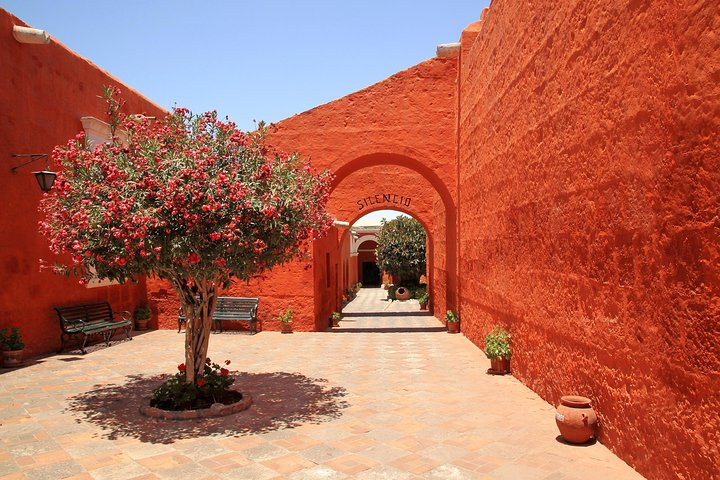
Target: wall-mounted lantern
(45, 178)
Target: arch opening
(396, 182)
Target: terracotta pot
(499, 366)
(141, 325)
(423, 306)
(453, 327)
(576, 419)
(286, 327)
(335, 323)
(402, 293)
(12, 358)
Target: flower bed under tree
(187, 198)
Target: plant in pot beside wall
(452, 321)
(423, 300)
(335, 319)
(285, 319)
(142, 317)
(12, 346)
(497, 349)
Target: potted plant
(497, 349)
(12, 346)
(386, 285)
(142, 317)
(285, 319)
(452, 321)
(423, 300)
(335, 319)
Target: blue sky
(264, 60)
(260, 60)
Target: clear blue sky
(264, 60)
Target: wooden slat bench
(90, 319)
(232, 309)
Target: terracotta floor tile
(388, 394)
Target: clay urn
(576, 419)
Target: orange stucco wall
(397, 136)
(286, 286)
(589, 193)
(44, 90)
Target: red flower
(224, 372)
(200, 382)
(182, 367)
(227, 362)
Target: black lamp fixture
(45, 178)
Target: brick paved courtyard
(388, 395)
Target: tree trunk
(198, 303)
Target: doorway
(370, 274)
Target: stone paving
(388, 395)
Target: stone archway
(396, 182)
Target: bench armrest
(125, 315)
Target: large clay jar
(402, 293)
(576, 419)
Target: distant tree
(188, 198)
(401, 249)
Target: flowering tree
(190, 199)
(401, 249)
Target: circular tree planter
(215, 410)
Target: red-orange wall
(287, 286)
(589, 194)
(44, 90)
(397, 136)
(404, 123)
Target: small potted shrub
(336, 319)
(12, 346)
(423, 299)
(358, 286)
(386, 285)
(497, 349)
(142, 317)
(285, 319)
(452, 321)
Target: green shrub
(212, 387)
(286, 316)
(11, 341)
(142, 312)
(497, 344)
(423, 298)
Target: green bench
(231, 309)
(84, 321)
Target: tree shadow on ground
(280, 400)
